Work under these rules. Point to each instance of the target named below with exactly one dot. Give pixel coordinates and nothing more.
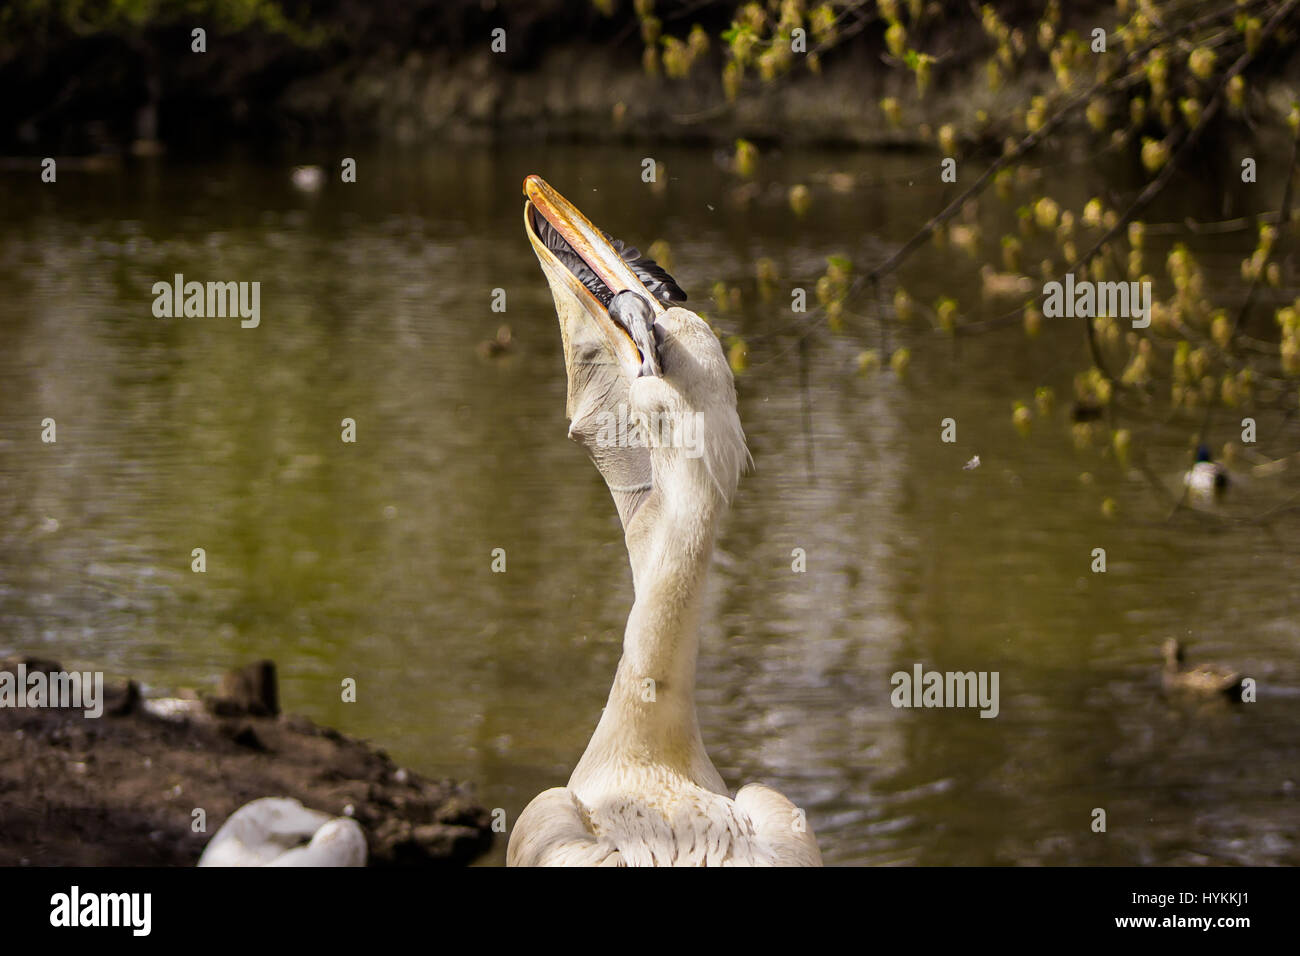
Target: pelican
(280, 831)
(645, 792)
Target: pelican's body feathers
(673, 824)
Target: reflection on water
(372, 560)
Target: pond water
(372, 560)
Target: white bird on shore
(279, 831)
(645, 792)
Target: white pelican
(645, 792)
(279, 831)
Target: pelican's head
(684, 397)
(586, 269)
(651, 394)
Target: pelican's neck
(668, 570)
(649, 718)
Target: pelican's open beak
(583, 266)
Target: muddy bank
(121, 790)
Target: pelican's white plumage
(645, 792)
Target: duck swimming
(1206, 478)
(1208, 680)
(498, 346)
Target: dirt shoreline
(122, 789)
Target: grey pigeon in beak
(633, 311)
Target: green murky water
(372, 560)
